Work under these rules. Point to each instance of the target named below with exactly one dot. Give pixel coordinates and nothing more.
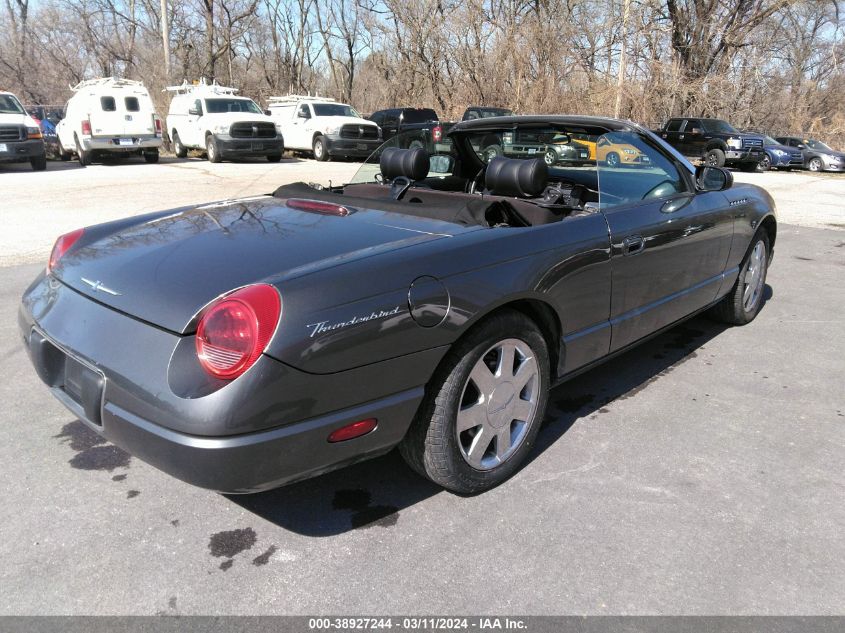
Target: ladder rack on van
(201, 86)
(107, 81)
(296, 98)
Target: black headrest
(411, 163)
(516, 177)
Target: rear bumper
(21, 151)
(267, 428)
(229, 146)
(121, 144)
(351, 147)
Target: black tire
(490, 152)
(274, 158)
(39, 163)
(732, 308)
(612, 159)
(211, 149)
(83, 156)
(815, 164)
(715, 157)
(180, 150)
(550, 157)
(319, 148)
(765, 164)
(434, 448)
(151, 157)
(750, 167)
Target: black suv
(716, 141)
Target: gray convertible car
(429, 304)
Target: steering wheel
(661, 190)
(473, 186)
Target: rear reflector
(351, 431)
(318, 206)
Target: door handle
(632, 245)
(681, 136)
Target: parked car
(429, 304)
(484, 112)
(109, 117)
(615, 151)
(47, 118)
(714, 140)
(780, 156)
(323, 127)
(20, 136)
(213, 118)
(417, 127)
(562, 149)
(817, 155)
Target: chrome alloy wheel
(498, 405)
(754, 277)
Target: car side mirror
(708, 178)
(194, 112)
(267, 112)
(441, 164)
(802, 146)
(302, 115)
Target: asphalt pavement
(701, 473)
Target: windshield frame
(718, 126)
(250, 103)
(14, 101)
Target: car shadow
(375, 492)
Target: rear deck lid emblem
(97, 286)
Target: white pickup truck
(323, 127)
(20, 135)
(226, 125)
(109, 116)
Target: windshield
(220, 106)
(717, 126)
(814, 144)
(441, 154)
(10, 105)
(335, 109)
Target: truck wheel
(151, 157)
(180, 150)
(416, 145)
(743, 302)
(491, 151)
(320, 152)
(765, 164)
(274, 158)
(815, 164)
(83, 156)
(64, 155)
(212, 150)
(483, 407)
(715, 157)
(39, 163)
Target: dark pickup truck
(714, 140)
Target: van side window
(132, 104)
(108, 104)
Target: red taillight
(157, 122)
(317, 206)
(437, 133)
(86, 127)
(62, 245)
(351, 431)
(233, 332)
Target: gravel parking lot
(698, 474)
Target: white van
(213, 118)
(20, 134)
(324, 127)
(109, 117)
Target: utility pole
(165, 40)
(620, 79)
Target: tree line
(767, 65)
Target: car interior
(505, 192)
